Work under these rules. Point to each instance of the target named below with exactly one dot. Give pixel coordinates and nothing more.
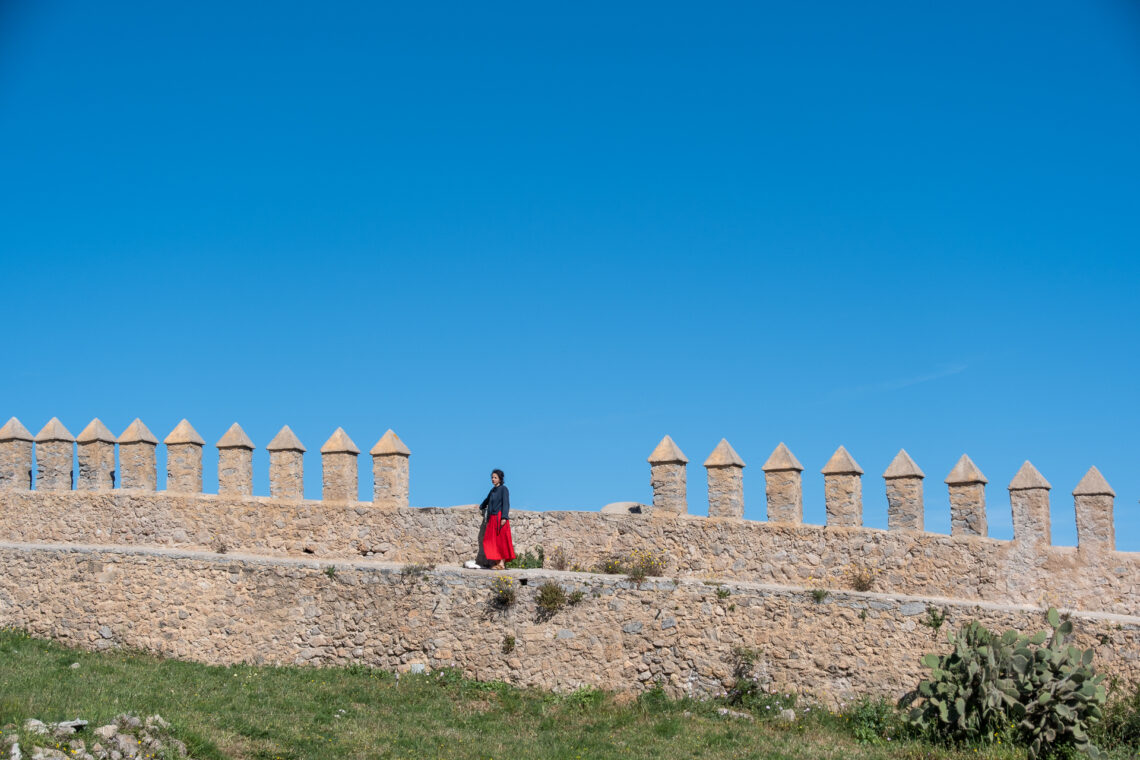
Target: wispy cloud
(900, 382)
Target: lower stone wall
(921, 564)
(227, 609)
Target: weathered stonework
(667, 478)
(390, 471)
(620, 637)
(184, 459)
(1093, 497)
(904, 494)
(55, 456)
(338, 468)
(1029, 502)
(784, 486)
(725, 471)
(235, 463)
(967, 488)
(15, 457)
(843, 490)
(96, 455)
(136, 457)
(286, 465)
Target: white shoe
(471, 564)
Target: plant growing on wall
(503, 593)
(551, 598)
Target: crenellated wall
(228, 609)
(179, 544)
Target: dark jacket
(498, 501)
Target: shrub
(1120, 727)
(503, 592)
(651, 562)
(723, 593)
(611, 566)
(862, 578)
(558, 559)
(330, 571)
(508, 644)
(874, 721)
(991, 686)
(819, 594)
(636, 575)
(551, 598)
(576, 596)
(526, 560)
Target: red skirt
(497, 543)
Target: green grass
(293, 712)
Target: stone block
(1093, 499)
(390, 459)
(967, 490)
(286, 466)
(136, 457)
(1029, 503)
(339, 477)
(235, 463)
(905, 509)
(783, 483)
(725, 471)
(843, 490)
(96, 455)
(184, 459)
(15, 457)
(55, 456)
(667, 478)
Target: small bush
(508, 643)
(611, 566)
(503, 593)
(861, 578)
(819, 594)
(415, 570)
(551, 598)
(330, 571)
(723, 593)
(653, 563)
(558, 559)
(527, 561)
(1120, 727)
(636, 575)
(934, 618)
(576, 596)
(874, 721)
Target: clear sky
(541, 236)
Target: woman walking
(496, 540)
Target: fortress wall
(229, 609)
(903, 562)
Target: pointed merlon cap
(339, 443)
(285, 440)
(841, 463)
(14, 431)
(235, 438)
(54, 431)
(965, 473)
(184, 432)
(667, 452)
(137, 432)
(782, 459)
(902, 466)
(390, 443)
(724, 456)
(1093, 484)
(96, 431)
(1028, 477)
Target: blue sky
(540, 237)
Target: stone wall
(922, 564)
(226, 609)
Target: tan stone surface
(184, 433)
(921, 564)
(1029, 503)
(287, 473)
(726, 492)
(286, 440)
(96, 456)
(390, 443)
(15, 456)
(235, 471)
(55, 453)
(902, 466)
(965, 472)
(968, 509)
(1028, 477)
(339, 443)
(668, 482)
(95, 431)
(905, 510)
(225, 609)
(235, 438)
(782, 458)
(54, 431)
(667, 452)
(842, 463)
(1096, 527)
(784, 491)
(137, 457)
(339, 476)
(137, 432)
(390, 478)
(843, 499)
(724, 456)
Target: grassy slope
(294, 712)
